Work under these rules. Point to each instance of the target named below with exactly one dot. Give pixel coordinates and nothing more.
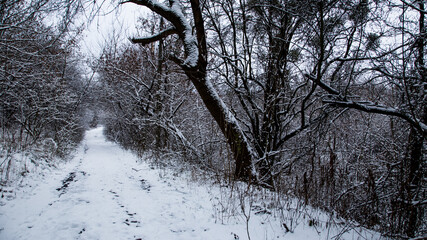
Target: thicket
(41, 86)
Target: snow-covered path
(105, 193)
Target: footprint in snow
(145, 186)
(130, 219)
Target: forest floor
(106, 192)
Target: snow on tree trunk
(194, 66)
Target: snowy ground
(107, 193)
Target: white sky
(112, 19)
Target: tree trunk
(226, 122)
(412, 182)
(414, 156)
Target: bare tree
(40, 81)
(194, 65)
(345, 65)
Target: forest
(324, 101)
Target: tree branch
(154, 38)
(175, 16)
(339, 100)
(372, 108)
(158, 8)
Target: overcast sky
(111, 18)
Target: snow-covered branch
(175, 16)
(374, 108)
(336, 98)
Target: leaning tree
(194, 64)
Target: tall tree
(194, 65)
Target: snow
(190, 42)
(106, 192)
